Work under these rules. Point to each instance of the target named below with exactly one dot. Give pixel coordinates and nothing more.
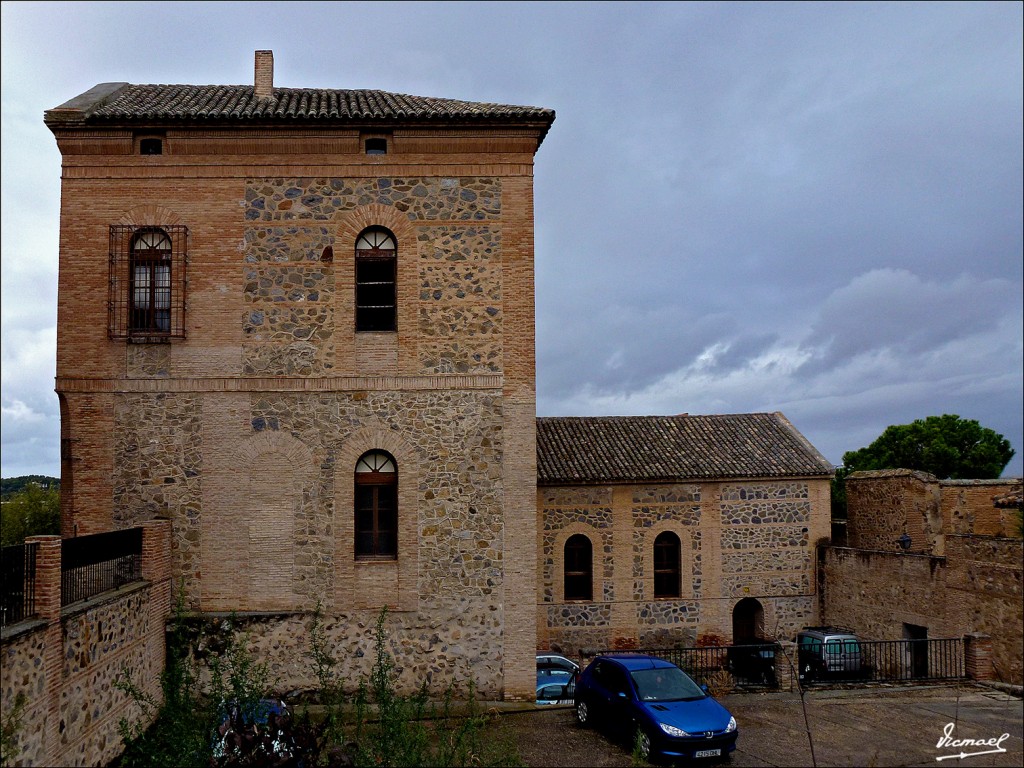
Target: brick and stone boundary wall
(885, 504)
(65, 662)
(973, 591)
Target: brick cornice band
(281, 384)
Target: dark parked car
(753, 664)
(656, 706)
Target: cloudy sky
(807, 208)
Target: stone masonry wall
(737, 540)
(970, 584)
(967, 507)
(884, 505)
(459, 644)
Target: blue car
(656, 706)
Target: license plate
(707, 753)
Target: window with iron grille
(376, 502)
(666, 565)
(376, 260)
(146, 299)
(579, 568)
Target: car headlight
(731, 726)
(671, 730)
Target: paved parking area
(877, 726)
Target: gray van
(828, 652)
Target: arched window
(376, 260)
(579, 568)
(376, 507)
(151, 282)
(666, 565)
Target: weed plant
(183, 731)
(10, 729)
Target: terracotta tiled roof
(124, 102)
(672, 448)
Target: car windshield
(665, 684)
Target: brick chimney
(264, 74)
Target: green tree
(946, 446)
(32, 511)
(12, 485)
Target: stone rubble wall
(24, 672)
(457, 645)
(882, 505)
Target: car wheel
(641, 743)
(583, 713)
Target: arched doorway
(747, 621)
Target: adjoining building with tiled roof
(665, 531)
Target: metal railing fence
(751, 665)
(17, 583)
(889, 661)
(757, 665)
(98, 563)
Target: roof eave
(543, 482)
(76, 111)
(65, 118)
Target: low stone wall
(64, 663)
(444, 646)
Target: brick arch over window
(600, 539)
(252, 529)
(150, 216)
(686, 558)
(372, 584)
(295, 451)
(355, 221)
(362, 353)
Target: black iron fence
(18, 580)
(758, 665)
(750, 666)
(93, 564)
(883, 661)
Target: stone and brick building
(299, 324)
(667, 531)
